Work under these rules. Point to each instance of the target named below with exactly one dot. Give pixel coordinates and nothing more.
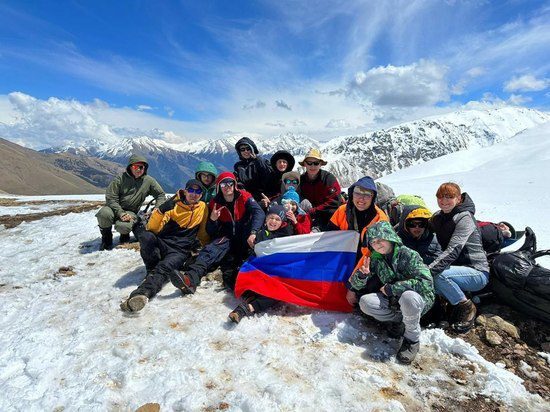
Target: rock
(493, 338)
(496, 322)
(460, 376)
(545, 347)
(481, 320)
(149, 407)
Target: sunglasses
(197, 191)
(245, 149)
(227, 184)
(291, 181)
(138, 167)
(312, 163)
(363, 195)
(420, 225)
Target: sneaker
(124, 239)
(395, 330)
(134, 304)
(240, 312)
(408, 351)
(464, 316)
(183, 282)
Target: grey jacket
(459, 237)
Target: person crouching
(275, 226)
(407, 291)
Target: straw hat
(313, 154)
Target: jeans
(453, 281)
(409, 312)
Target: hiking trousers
(160, 261)
(408, 311)
(106, 219)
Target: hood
(135, 158)
(206, 167)
(467, 205)
(283, 154)
(223, 176)
(383, 230)
(245, 141)
(412, 212)
(367, 183)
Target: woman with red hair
(462, 265)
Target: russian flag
(307, 270)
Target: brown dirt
(15, 220)
(533, 334)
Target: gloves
(167, 206)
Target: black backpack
(519, 281)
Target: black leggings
(259, 303)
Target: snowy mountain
(376, 153)
(385, 151)
(67, 346)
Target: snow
(66, 344)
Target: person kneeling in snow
(166, 245)
(275, 226)
(407, 291)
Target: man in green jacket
(124, 197)
(407, 290)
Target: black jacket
(252, 173)
(427, 245)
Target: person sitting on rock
(166, 245)
(235, 218)
(124, 197)
(252, 170)
(406, 291)
(414, 231)
(275, 226)
(321, 188)
(462, 265)
(206, 173)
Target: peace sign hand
(215, 213)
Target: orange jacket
(340, 219)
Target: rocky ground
(11, 221)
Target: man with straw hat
(320, 187)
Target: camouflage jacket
(404, 271)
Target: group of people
(399, 269)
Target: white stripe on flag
(336, 241)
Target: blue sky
(214, 68)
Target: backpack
(492, 238)
(519, 281)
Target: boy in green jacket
(407, 288)
(124, 197)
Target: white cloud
(526, 83)
(419, 84)
(144, 107)
(518, 100)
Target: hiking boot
(464, 316)
(183, 282)
(106, 239)
(408, 351)
(124, 239)
(134, 304)
(395, 329)
(240, 312)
